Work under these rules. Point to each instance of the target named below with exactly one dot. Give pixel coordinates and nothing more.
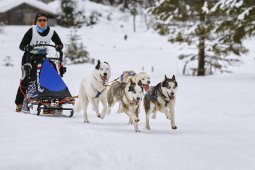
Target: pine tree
(193, 23)
(76, 52)
(70, 16)
(240, 11)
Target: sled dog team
(128, 92)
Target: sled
(45, 87)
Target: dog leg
(172, 118)
(168, 115)
(84, 106)
(130, 120)
(147, 124)
(120, 109)
(154, 115)
(136, 127)
(104, 103)
(135, 119)
(95, 106)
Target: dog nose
(105, 74)
(138, 98)
(172, 93)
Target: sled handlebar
(54, 46)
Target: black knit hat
(40, 14)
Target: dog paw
(86, 121)
(174, 127)
(137, 130)
(153, 116)
(137, 120)
(99, 116)
(130, 122)
(148, 128)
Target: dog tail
(78, 104)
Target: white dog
(161, 98)
(93, 90)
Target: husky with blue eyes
(94, 90)
(161, 98)
(130, 96)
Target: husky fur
(130, 96)
(127, 76)
(94, 90)
(161, 98)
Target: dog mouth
(171, 97)
(104, 78)
(146, 87)
(136, 102)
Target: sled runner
(45, 87)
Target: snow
(214, 114)
(9, 4)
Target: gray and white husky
(161, 98)
(127, 76)
(130, 96)
(94, 90)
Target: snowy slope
(214, 114)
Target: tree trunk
(201, 46)
(134, 22)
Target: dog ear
(98, 64)
(164, 84)
(175, 84)
(131, 86)
(173, 77)
(166, 77)
(131, 82)
(140, 83)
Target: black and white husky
(161, 98)
(94, 90)
(130, 96)
(129, 75)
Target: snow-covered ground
(215, 114)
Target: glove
(59, 47)
(28, 48)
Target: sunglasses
(42, 20)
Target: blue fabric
(130, 73)
(50, 79)
(40, 29)
(98, 94)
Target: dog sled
(45, 87)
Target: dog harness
(155, 98)
(130, 73)
(98, 94)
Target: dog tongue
(104, 78)
(171, 97)
(146, 87)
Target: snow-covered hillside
(214, 114)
